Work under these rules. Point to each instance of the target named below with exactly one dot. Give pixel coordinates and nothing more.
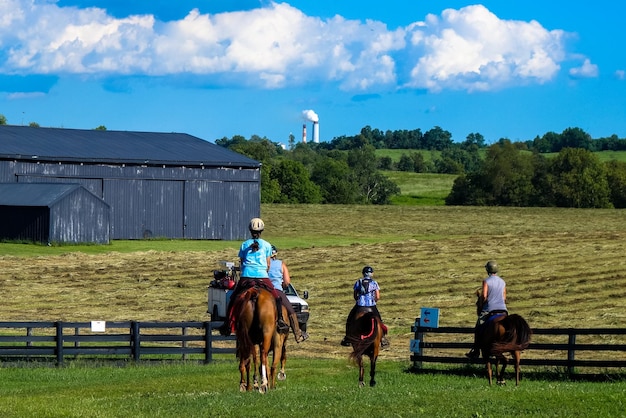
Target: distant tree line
(509, 177)
(346, 169)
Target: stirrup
(384, 342)
(281, 326)
(302, 337)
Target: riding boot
(281, 326)
(297, 332)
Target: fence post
(59, 342)
(135, 340)
(417, 342)
(208, 342)
(571, 352)
(184, 345)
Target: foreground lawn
(318, 388)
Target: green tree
(295, 184)
(616, 177)
(336, 181)
(374, 187)
(3, 119)
(101, 128)
(578, 179)
(270, 188)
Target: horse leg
(500, 375)
(283, 359)
(359, 361)
(244, 371)
(373, 358)
(516, 359)
(255, 376)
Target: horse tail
(244, 342)
(517, 335)
(367, 331)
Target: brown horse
(255, 316)
(279, 348)
(365, 334)
(502, 334)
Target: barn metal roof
(96, 146)
(34, 194)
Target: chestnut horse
(255, 316)
(502, 334)
(365, 334)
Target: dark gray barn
(52, 213)
(168, 185)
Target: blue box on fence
(429, 317)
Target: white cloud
(473, 49)
(620, 74)
(278, 46)
(587, 70)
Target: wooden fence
(131, 340)
(549, 347)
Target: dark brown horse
(365, 334)
(499, 335)
(255, 317)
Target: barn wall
(80, 217)
(171, 202)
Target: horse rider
(280, 278)
(366, 294)
(254, 258)
(492, 301)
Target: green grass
(421, 189)
(314, 388)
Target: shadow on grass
(527, 373)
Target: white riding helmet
(256, 225)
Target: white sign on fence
(98, 326)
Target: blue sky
(218, 68)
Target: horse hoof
(242, 387)
(282, 376)
(361, 384)
(263, 389)
(372, 383)
(501, 383)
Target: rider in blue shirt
(254, 257)
(279, 275)
(366, 294)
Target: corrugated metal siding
(80, 217)
(163, 215)
(168, 207)
(244, 203)
(204, 210)
(25, 223)
(127, 212)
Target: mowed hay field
(563, 267)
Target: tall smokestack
(311, 116)
(316, 132)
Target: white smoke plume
(310, 116)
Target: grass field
(323, 388)
(564, 267)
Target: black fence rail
(570, 348)
(133, 340)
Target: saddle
(495, 316)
